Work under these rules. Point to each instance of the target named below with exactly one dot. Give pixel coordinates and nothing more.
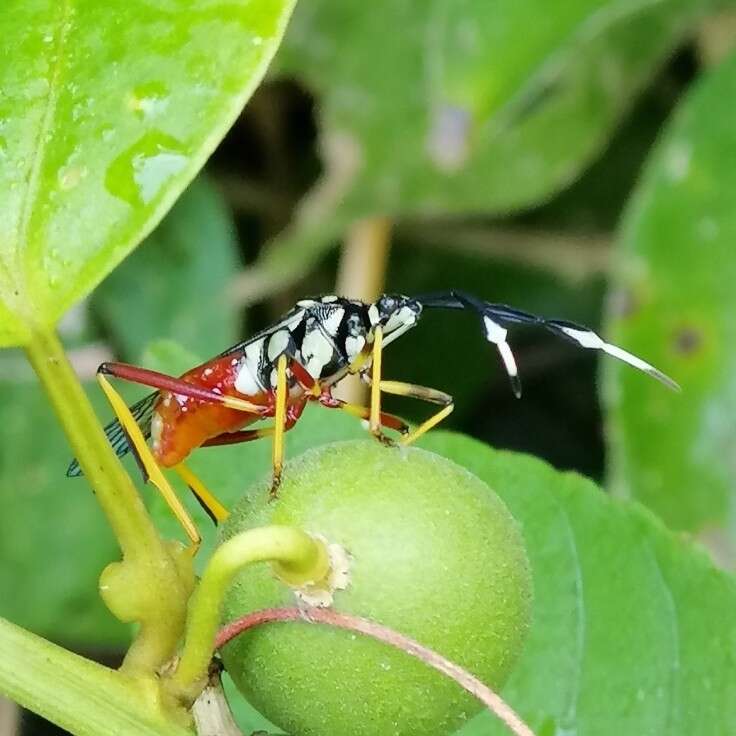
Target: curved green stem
(152, 584)
(299, 559)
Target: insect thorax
(323, 335)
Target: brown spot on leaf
(688, 340)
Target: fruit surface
(434, 554)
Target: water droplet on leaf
(139, 173)
(70, 176)
(149, 99)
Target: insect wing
(142, 412)
(289, 322)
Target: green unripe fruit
(434, 554)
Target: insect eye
(387, 305)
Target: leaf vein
(571, 708)
(673, 701)
(39, 151)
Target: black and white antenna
(497, 318)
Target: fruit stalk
(299, 558)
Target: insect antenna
(496, 319)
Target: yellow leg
(153, 471)
(375, 417)
(425, 426)
(279, 422)
(399, 388)
(212, 506)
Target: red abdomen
(181, 424)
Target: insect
(297, 360)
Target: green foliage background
(573, 159)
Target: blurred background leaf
(673, 299)
(173, 285)
(473, 107)
(54, 541)
(97, 138)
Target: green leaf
(106, 113)
(673, 304)
(54, 540)
(173, 285)
(472, 107)
(628, 633)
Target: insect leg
(214, 509)
(168, 383)
(293, 413)
(364, 412)
(374, 421)
(152, 470)
(277, 456)
(434, 396)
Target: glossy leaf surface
(473, 106)
(174, 285)
(106, 112)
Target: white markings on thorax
(318, 347)
(374, 315)
(331, 323)
(353, 345)
(317, 350)
(247, 382)
(277, 344)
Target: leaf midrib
(19, 268)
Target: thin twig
(9, 717)
(361, 274)
(469, 682)
(574, 257)
(716, 37)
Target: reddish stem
(472, 684)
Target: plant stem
(575, 258)
(364, 258)
(114, 489)
(361, 274)
(78, 695)
(300, 559)
(152, 584)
